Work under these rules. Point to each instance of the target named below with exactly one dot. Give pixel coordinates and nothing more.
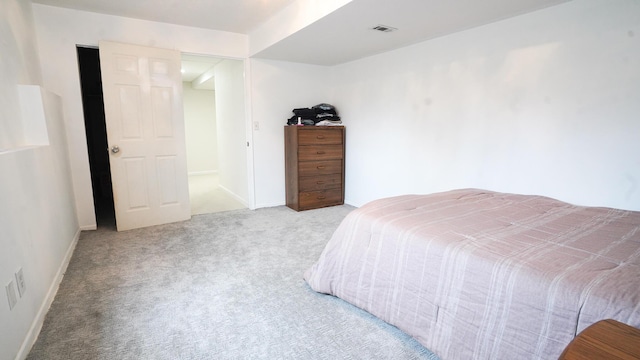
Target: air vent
(384, 28)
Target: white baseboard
(241, 200)
(36, 325)
(268, 205)
(207, 172)
(274, 204)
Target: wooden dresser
(314, 166)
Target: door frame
(249, 134)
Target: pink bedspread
(475, 274)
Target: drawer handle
(321, 167)
(320, 182)
(320, 137)
(320, 152)
(321, 197)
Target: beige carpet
(207, 196)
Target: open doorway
(211, 109)
(222, 141)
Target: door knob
(115, 149)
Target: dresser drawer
(319, 137)
(323, 182)
(319, 152)
(315, 199)
(315, 168)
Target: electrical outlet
(11, 295)
(256, 126)
(22, 285)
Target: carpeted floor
(221, 286)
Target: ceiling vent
(384, 28)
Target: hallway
(207, 196)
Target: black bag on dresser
(314, 115)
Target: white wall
(17, 38)
(38, 226)
(297, 15)
(545, 103)
(535, 104)
(200, 129)
(60, 30)
(277, 88)
(231, 122)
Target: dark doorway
(96, 131)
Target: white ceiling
(239, 16)
(342, 36)
(198, 70)
(347, 34)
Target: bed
(474, 274)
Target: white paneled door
(145, 131)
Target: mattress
(474, 274)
